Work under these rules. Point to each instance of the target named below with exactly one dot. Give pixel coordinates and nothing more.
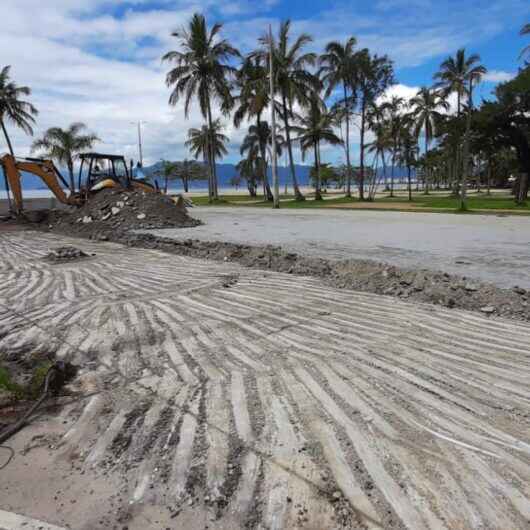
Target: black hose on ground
(51, 374)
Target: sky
(99, 61)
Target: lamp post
(139, 124)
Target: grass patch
(435, 202)
(32, 389)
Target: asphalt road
(493, 248)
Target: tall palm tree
(205, 143)
(393, 110)
(381, 144)
(425, 111)
(314, 128)
(252, 100)
(374, 75)
(408, 147)
(203, 71)
(15, 110)
(65, 145)
(293, 81)
(525, 30)
(459, 74)
(337, 67)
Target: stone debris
(66, 253)
(112, 213)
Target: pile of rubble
(67, 253)
(115, 212)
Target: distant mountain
(225, 172)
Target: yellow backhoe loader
(103, 171)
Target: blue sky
(98, 61)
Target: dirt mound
(421, 285)
(115, 212)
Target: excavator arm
(44, 169)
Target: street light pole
(140, 154)
(275, 182)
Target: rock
(79, 220)
(470, 287)
(106, 216)
(337, 495)
(87, 219)
(141, 216)
(519, 290)
(488, 309)
(120, 204)
(115, 211)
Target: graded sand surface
(214, 396)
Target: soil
(114, 212)
(216, 396)
(420, 285)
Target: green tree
(15, 110)
(314, 128)
(256, 145)
(458, 75)
(294, 82)
(202, 71)
(408, 150)
(185, 170)
(393, 110)
(207, 143)
(379, 146)
(252, 100)
(337, 68)
(374, 75)
(65, 145)
(426, 105)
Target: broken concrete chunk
(141, 216)
(87, 219)
(106, 216)
(120, 204)
(470, 287)
(488, 309)
(115, 211)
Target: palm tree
(202, 71)
(294, 82)
(252, 100)
(425, 112)
(65, 145)
(15, 110)
(257, 144)
(408, 147)
(525, 30)
(337, 67)
(314, 128)
(200, 144)
(393, 110)
(247, 170)
(377, 119)
(458, 74)
(374, 75)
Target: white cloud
(498, 76)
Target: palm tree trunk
(318, 194)
(71, 175)
(267, 192)
(297, 193)
(348, 163)
(489, 177)
(361, 176)
(426, 165)
(409, 182)
(465, 157)
(8, 140)
(215, 194)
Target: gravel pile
(112, 213)
(67, 253)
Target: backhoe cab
(108, 171)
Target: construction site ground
(210, 395)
